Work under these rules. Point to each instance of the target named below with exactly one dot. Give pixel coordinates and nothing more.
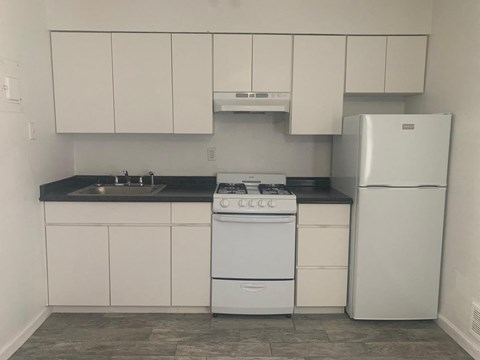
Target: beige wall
(26, 164)
(257, 16)
(452, 84)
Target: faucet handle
(125, 172)
(115, 179)
(140, 180)
(152, 177)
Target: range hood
(251, 102)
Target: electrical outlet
(211, 154)
(32, 132)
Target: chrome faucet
(127, 178)
(152, 177)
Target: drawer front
(321, 287)
(322, 246)
(324, 214)
(191, 213)
(107, 213)
(252, 297)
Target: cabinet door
(405, 69)
(366, 64)
(191, 266)
(191, 213)
(78, 265)
(232, 62)
(318, 83)
(142, 70)
(140, 266)
(192, 84)
(324, 214)
(82, 76)
(322, 287)
(322, 246)
(272, 63)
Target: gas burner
(232, 188)
(274, 189)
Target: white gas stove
(253, 193)
(253, 245)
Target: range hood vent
(251, 102)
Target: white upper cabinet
(142, 72)
(272, 63)
(232, 62)
(365, 64)
(386, 64)
(82, 75)
(252, 62)
(406, 59)
(318, 85)
(192, 83)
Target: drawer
(252, 297)
(321, 287)
(322, 246)
(107, 213)
(191, 213)
(324, 214)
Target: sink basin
(103, 190)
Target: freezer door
(404, 150)
(397, 253)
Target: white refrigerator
(395, 169)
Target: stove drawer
(252, 297)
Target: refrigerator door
(404, 150)
(397, 245)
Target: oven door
(258, 247)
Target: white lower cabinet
(322, 287)
(140, 265)
(78, 271)
(322, 255)
(191, 266)
(135, 254)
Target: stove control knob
(262, 203)
(272, 203)
(251, 203)
(242, 203)
(224, 203)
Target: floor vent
(475, 329)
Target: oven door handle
(254, 219)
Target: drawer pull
(253, 287)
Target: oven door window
(253, 246)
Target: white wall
(258, 16)
(24, 165)
(452, 84)
(243, 142)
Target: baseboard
(320, 310)
(460, 337)
(131, 309)
(10, 348)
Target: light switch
(12, 89)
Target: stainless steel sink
(103, 190)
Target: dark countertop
(179, 189)
(185, 189)
(316, 191)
